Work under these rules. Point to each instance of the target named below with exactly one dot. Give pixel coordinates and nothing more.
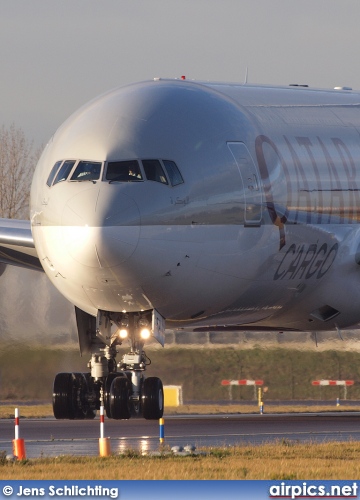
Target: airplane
(196, 206)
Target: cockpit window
(123, 171)
(173, 172)
(154, 171)
(64, 171)
(53, 173)
(87, 171)
(161, 171)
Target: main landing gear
(121, 388)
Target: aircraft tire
(62, 407)
(120, 392)
(107, 386)
(90, 410)
(152, 398)
(69, 397)
(78, 392)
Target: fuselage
(240, 205)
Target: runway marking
(199, 436)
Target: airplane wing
(17, 245)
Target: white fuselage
(263, 230)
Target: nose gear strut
(121, 387)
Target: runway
(50, 437)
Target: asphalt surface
(50, 437)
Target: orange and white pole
(18, 444)
(102, 422)
(104, 442)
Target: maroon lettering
(265, 176)
(302, 183)
(335, 185)
(307, 144)
(353, 208)
(319, 180)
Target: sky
(57, 55)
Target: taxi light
(145, 333)
(123, 333)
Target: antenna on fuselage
(246, 76)
(314, 338)
(339, 332)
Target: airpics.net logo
(306, 490)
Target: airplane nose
(100, 227)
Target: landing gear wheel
(70, 397)
(120, 392)
(62, 404)
(152, 398)
(89, 409)
(107, 386)
(90, 414)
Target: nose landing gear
(122, 388)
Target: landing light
(145, 333)
(123, 333)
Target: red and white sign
(333, 382)
(242, 382)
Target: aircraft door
(252, 183)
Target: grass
(283, 460)
(287, 373)
(45, 410)
(31, 411)
(233, 409)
